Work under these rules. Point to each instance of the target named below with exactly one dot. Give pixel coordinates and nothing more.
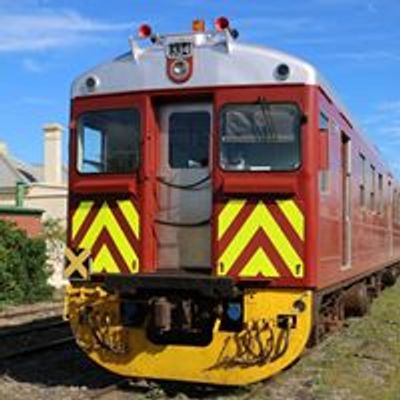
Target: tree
(23, 269)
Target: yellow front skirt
(277, 325)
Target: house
(27, 219)
(30, 194)
(45, 184)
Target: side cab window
(324, 124)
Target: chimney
(53, 154)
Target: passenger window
(260, 137)
(108, 141)
(397, 208)
(372, 192)
(323, 122)
(189, 139)
(324, 181)
(380, 193)
(362, 181)
(324, 153)
(93, 148)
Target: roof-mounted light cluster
(144, 31)
(221, 24)
(199, 25)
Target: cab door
(184, 187)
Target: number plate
(179, 50)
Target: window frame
(262, 171)
(78, 148)
(372, 192)
(325, 128)
(363, 189)
(323, 116)
(170, 153)
(380, 196)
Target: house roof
(13, 170)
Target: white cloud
(31, 65)
(46, 30)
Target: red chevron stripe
(86, 225)
(124, 224)
(300, 205)
(105, 239)
(260, 239)
(287, 228)
(233, 229)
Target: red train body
(293, 241)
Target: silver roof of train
(218, 60)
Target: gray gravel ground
(362, 362)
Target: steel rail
(22, 313)
(37, 348)
(10, 331)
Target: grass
(360, 362)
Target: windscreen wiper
(268, 120)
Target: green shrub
(23, 269)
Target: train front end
(191, 182)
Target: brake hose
(183, 224)
(190, 186)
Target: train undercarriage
(208, 330)
(352, 299)
(180, 329)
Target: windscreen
(260, 136)
(108, 141)
(189, 136)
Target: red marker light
(221, 24)
(144, 31)
(198, 25)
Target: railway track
(35, 337)
(38, 326)
(37, 349)
(33, 311)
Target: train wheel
(356, 300)
(389, 277)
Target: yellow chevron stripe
(104, 262)
(259, 264)
(106, 220)
(228, 215)
(80, 215)
(130, 214)
(283, 245)
(293, 215)
(261, 218)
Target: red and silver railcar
(223, 210)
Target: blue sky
(44, 44)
